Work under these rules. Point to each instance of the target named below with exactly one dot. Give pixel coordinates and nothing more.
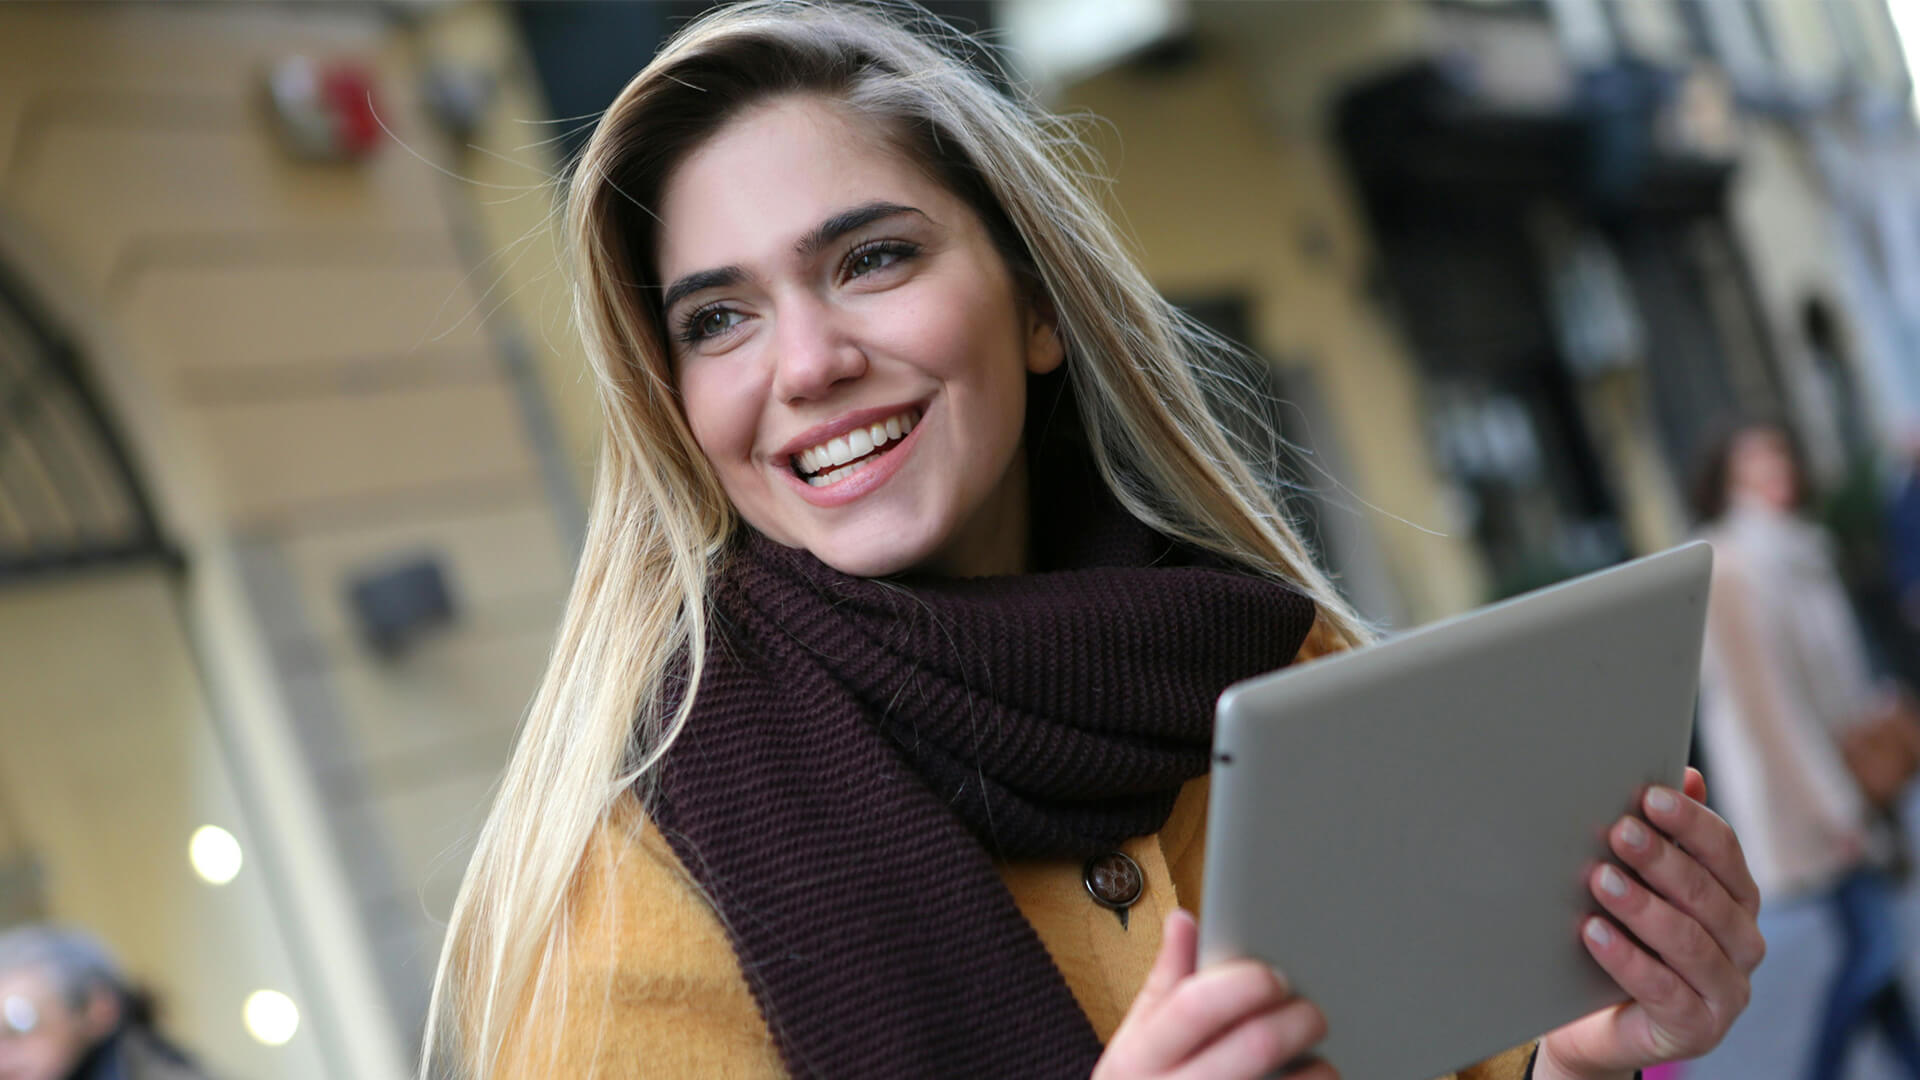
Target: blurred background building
(294, 431)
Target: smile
(845, 456)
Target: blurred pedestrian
(1807, 752)
(67, 1013)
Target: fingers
(1696, 786)
(1205, 1007)
(1707, 838)
(1678, 1019)
(1179, 938)
(1237, 1019)
(1690, 985)
(1680, 879)
(1262, 1044)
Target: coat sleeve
(651, 985)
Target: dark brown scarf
(861, 751)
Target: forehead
(30, 981)
(771, 174)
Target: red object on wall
(348, 90)
(325, 108)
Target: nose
(813, 353)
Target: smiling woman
(876, 738)
(852, 290)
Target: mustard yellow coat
(654, 988)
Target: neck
(995, 540)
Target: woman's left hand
(1692, 903)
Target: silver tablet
(1406, 831)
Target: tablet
(1406, 831)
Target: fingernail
(1662, 800)
(1612, 883)
(1598, 933)
(1633, 834)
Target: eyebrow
(846, 221)
(809, 245)
(703, 279)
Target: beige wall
(1785, 220)
(312, 361)
(1224, 200)
(513, 174)
(112, 760)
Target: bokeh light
(271, 1017)
(215, 854)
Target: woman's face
(850, 347)
(1760, 469)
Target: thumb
(1696, 785)
(1178, 940)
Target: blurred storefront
(1225, 175)
(1571, 237)
(1558, 243)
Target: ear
(1045, 348)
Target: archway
(114, 755)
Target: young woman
(875, 741)
(1786, 674)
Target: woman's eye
(705, 324)
(867, 260)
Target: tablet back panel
(1405, 831)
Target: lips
(832, 485)
(834, 460)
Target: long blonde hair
(636, 615)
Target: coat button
(1113, 880)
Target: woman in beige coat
(1785, 678)
(875, 740)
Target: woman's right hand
(1234, 1021)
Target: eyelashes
(715, 319)
(693, 327)
(891, 250)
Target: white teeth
(821, 462)
(833, 477)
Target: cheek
(722, 411)
(966, 339)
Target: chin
(874, 555)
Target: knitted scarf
(862, 751)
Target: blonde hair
(636, 616)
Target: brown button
(1113, 880)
